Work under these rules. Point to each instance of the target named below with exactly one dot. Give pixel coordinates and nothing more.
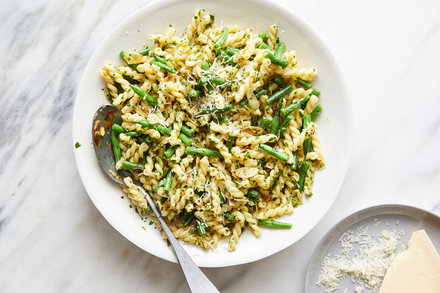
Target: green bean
(229, 144)
(306, 120)
(205, 66)
(280, 50)
(203, 80)
(229, 216)
(226, 57)
(132, 133)
(295, 105)
(231, 51)
(200, 227)
(302, 175)
(188, 219)
(285, 123)
(144, 95)
(145, 51)
(126, 165)
(162, 129)
(215, 110)
(307, 144)
(132, 66)
(118, 128)
(277, 60)
(276, 119)
(202, 152)
(262, 36)
(147, 140)
(273, 152)
(244, 103)
(265, 46)
(274, 224)
(304, 83)
(159, 59)
(279, 81)
(316, 92)
(168, 181)
(222, 39)
(160, 184)
(185, 139)
(115, 144)
(265, 122)
(164, 67)
(130, 79)
(279, 94)
(220, 120)
(252, 194)
(193, 93)
(187, 131)
(295, 161)
(170, 152)
(220, 196)
(316, 112)
(260, 93)
(218, 80)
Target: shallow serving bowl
(334, 124)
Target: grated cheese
(364, 258)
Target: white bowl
(334, 124)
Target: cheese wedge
(416, 269)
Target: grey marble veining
(52, 239)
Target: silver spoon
(105, 116)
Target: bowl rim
(296, 20)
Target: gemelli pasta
(218, 125)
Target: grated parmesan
(364, 258)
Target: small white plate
(334, 124)
(378, 218)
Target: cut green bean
(144, 95)
(306, 120)
(244, 103)
(285, 123)
(304, 83)
(126, 165)
(302, 175)
(252, 194)
(229, 216)
(274, 224)
(205, 66)
(187, 131)
(220, 196)
(164, 67)
(295, 105)
(265, 122)
(265, 46)
(118, 128)
(279, 81)
(229, 144)
(231, 51)
(160, 184)
(189, 218)
(200, 227)
(185, 139)
(159, 59)
(220, 120)
(307, 144)
(214, 110)
(132, 134)
(168, 181)
(316, 112)
(280, 50)
(279, 94)
(316, 92)
(218, 80)
(148, 140)
(145, 51)
(222, 39)
(115, 145)
(132, 66)
(276, 121)
(170, 152)
(202, 152)
(130, 79)
(273, 152)
(277, 60)
(162, 129)
(226, 57)
(193, 93)
(262, 36)
(260, 93)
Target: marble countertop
(52, 238)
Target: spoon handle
(196, 279)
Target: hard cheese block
(416, 269)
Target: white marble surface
(52, 239)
